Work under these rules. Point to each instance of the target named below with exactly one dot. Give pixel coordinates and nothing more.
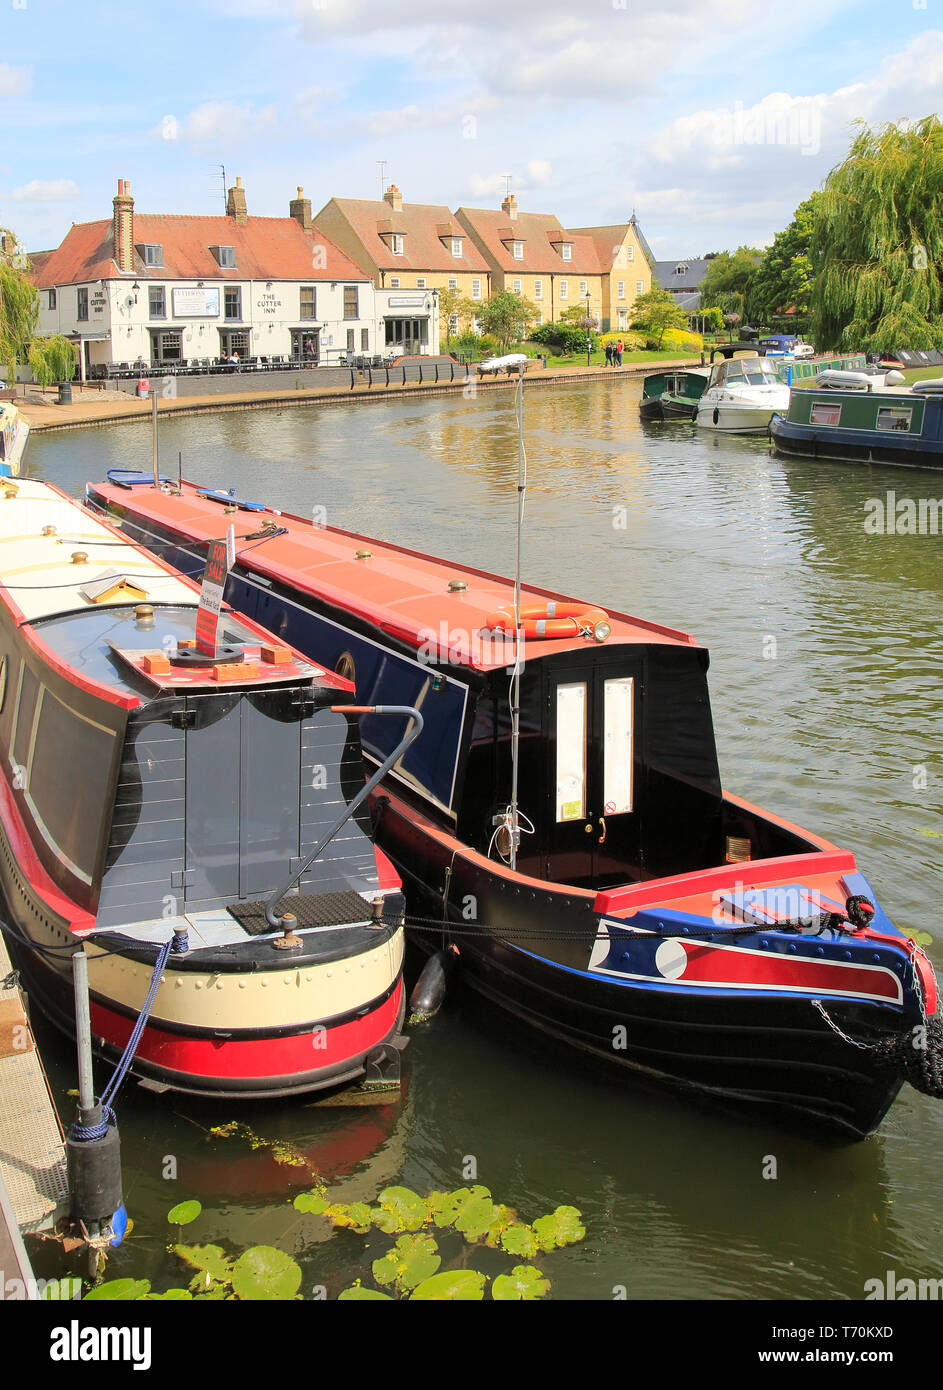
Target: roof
(690, 303)
(609, 240)
(422, 226)
(402, 592)
(540, 233)
(667, 277)
(267, 248)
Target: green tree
(655, 312)
(452, 304)
(507, 317)
(52, 359)
(877, 242)
(19, 305)
(784, 280)
(730, 279)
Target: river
(825, 649)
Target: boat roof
(401, 591)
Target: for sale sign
(218, 560)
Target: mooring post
(83, 1029)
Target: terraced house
(626, 261)
(531, 254)
(411, 250)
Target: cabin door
(592, 821)
(243, 769)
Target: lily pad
(444, 1207)
(210, 1260)
(453, 1286)
(562, 1227)
(412, 1259)
(504, 1217)
(358, 1292)
(476, 1216)
(399, 1209)
(169, 1296)
(121, 1290)
(520, 1240)
(356, 1215)
(314, 1202)
(524, 1284)
(184, 1212)
(266, 1273)
(920, 938)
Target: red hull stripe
(236, 1059)
(739, 968)
(629, 899)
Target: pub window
(364, 339)
(350, 302)
(233, 302)
(308, 302)
(81, 305)
(52, 299)
(350, 340)
(156, 301)
(226, 256)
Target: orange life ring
(549, 619)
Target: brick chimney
(510, 207)
(123, 227)
(236, 203)
(394, 198)
(300, 209)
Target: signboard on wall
(406, 301)
(190, 302)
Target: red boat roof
(402, 592)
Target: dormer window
(225, 256)
(456, 246)
(679, 270)
(396, 244)
(152, 254)
(517, 250)
(566, 250)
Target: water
(825, 646)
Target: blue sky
(712, 118)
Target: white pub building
(152, 290)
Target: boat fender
(716, 416)
(94, 1168)
(429, 990)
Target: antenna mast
(382, 164)
(222, 177)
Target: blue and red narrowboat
(151, 794)
(602, 885)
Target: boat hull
(797, 440)
(732, 417)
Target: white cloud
(46, 191)
(14, 81)
(217, 122)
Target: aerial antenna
(507, 184)
(222, 178)
(382, 164)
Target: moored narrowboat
(853, 421)
(154, 794)
(674, 394)
(14, 435)
(602, 886)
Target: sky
(711, 119)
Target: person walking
(620, 349)
(608, 353)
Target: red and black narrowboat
(647, 915)
(148, 794)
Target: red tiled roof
(540, 232)
(267, 248)
(421, 224)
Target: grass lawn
(598, 359)
(923, 374)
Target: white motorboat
(742, 397)
(503, 364)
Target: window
(52, 299)
(226, 256)
(571, 752)
(538, 289)
(679, 270)
(824, 413)
(617, 746)
(623, 318)
(233, 301)
(396, 245)
(365, 340)
(564, 289)
(476, 289)
(309, 303)
(350, 302)
(518, 250)
(638, 287)
(566, 251)
(630, 253)
(453, 284)
(584, 289)
(421, 283)
(350, 340)
(156, 301)
(894, 418)
(517, 286)
(152, 255)
(394, 282)
(453, 323)
(622, 289)
(456, 246)
(81, 303)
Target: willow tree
(52, 359)
(877, 242)
(19, 305)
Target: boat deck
(405, 593)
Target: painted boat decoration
(14, 435)
(150, 795)
(854, 421)
(650, 918)
(673, 395)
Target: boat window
(761, 375)
(617, 746)
(571, 751)
(894, 418)
(824, 413)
